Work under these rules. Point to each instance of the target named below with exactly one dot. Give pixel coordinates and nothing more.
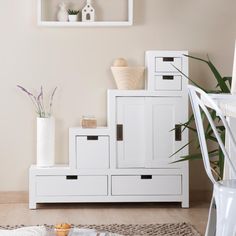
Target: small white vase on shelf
(45, 142)
(62, 14)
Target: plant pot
(73, 18)
(45, 142)
(128, 78)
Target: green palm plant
(216, 156)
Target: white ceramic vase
(62, 14)
(45, 142)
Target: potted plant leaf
(73, 15)
(223, 85)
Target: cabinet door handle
(119, 132)
(70, 177)
(146, 176)
(178, 133)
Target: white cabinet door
(131, 148)
(148, 139)
(164, 114)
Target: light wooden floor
(138, 213)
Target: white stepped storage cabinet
(129, 160)
(110, 13)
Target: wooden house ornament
(88, 12)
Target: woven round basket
(129, 77)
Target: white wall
(78, 60)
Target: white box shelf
(123, 16)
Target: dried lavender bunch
(38, 102)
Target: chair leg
(211, 224)
(227, 229)
(226, 208)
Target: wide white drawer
(92, 152)
(146, 185)
(168, 82)
(168, 64)
(71, 185)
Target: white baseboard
(14, 197)
(23, 196)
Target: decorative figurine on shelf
(88, 12)
(62, 14)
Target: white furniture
(129, 160)
(164, 70)
(47, 11)
(224, 194)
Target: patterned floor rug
(177, 229)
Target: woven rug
(177, 229)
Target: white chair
(223, 223)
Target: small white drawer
(71, 185)
(168, 64)
(168, 82)
(92, 152)
(146, 185)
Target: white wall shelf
(85, 24)
(47, 17)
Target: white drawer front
(166, 64)
(70, 186)
(92, 152)
(144, 185)
(168, 82)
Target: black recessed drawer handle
(92, 137)
(119, 132)
(178, 133)
(168, 77)
(146, 176)
(168, 58)
(72, 177)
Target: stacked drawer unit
(165, 70)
